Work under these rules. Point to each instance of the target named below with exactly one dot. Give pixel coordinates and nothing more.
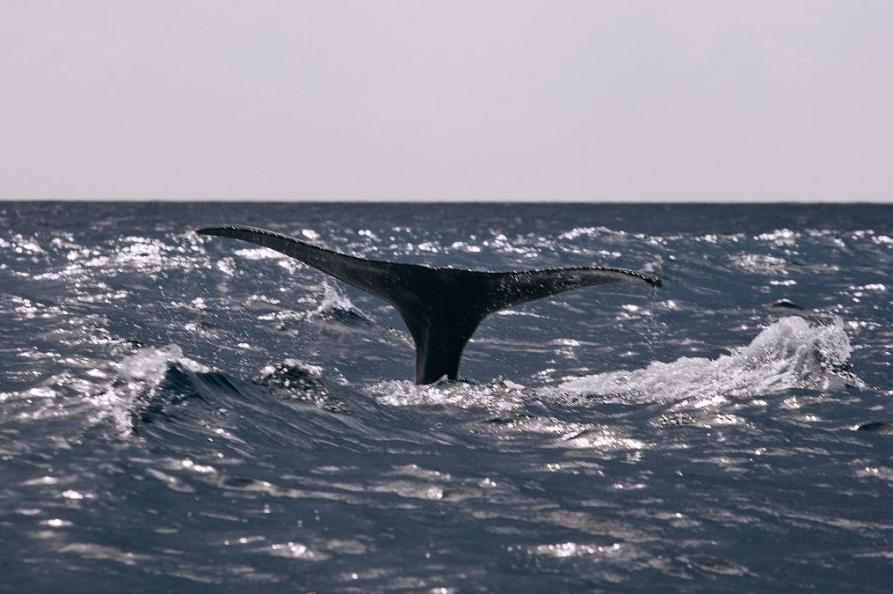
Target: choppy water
(180, 412)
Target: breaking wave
(790, 353)
(145, 382)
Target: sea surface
(189, 413)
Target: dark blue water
(186, 413)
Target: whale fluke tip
(213, 230)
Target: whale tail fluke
(442, 307)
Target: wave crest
(143, 379)
(790, 353)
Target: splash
(791, 353)
(336, 305)
(140, 378)
(496, 396)
(291, 372)
(295, 380)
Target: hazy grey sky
(480, 100)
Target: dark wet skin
(442, 307)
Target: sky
(664, 100)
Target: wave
(152, 381)
(790, 353)
(158, 383)
(296, 381)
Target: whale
(441, 307)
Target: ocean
(190, 413)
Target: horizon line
(447, 201)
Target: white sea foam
(780, 237)
(790, 353)
(760, 263)
(311, 371)
(139, 375)
(495, 395)
(577, 232)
